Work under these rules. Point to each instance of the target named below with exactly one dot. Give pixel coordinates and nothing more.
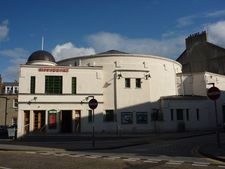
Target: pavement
(69, 142)
(213, 151)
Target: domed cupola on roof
(41, 57)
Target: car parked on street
(3, 131)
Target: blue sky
(82, 27)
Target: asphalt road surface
(47, 160)
(171, 154)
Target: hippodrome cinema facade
(135, 93)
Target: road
(30, 160)
(182, 147)
(169, 154)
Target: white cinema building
(135, 93)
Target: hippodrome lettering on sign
(53, 69)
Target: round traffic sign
(213, 93)
(93, 103)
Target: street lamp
(6, 102)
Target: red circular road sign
(213, 93)
(93, 103)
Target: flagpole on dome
(42, 43)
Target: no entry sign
(213, 93)
(93, 103)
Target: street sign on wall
(213, 93)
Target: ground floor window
(171, 114)
(126, 117)
(180, 115)
(15, 103)
(90, 116)
(141, 117)
(156, 115)
(187, 114)
(197, 114)
(109, 116)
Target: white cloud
(216, 32)
(68, 50)
(4, 30)
(185, 21)
(14, 53)
(191, 19)
(16, 57)
(216, 13)
(11, 73)
(169, 47)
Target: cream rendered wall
(162, 82)
(89, 83)
(219, 81)
(162, 72)
(84, 77)
(98, 75)
(200, 85)
(206, 116)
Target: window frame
(187, 115)
(129, 120)
(145, 121)
(109, 117)
(15, 103)
(74, 85)
(180, 114)
(90, 116)
(197, 114)
(32, 84)
(138, 83)
(171, 115)
(127, 83)
(53, 88)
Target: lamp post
(6, 102)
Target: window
(15, 103)
(141, 118)
(197, 114)
(109, 116)
(32, 84)
(138, 83)
(16, 90)
(53, 84)
(180, 114)
(127, 82)
(171, 114)
(8, 90)
(126, 118)
(89, 115)
(187, 114)
(14, 121)
(156, 115)
(74, 85)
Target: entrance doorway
(77, 121)
(26, 122)
(39, 121)
(66, 121)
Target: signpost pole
(217, 127)
(93, 128)
(214, 93)
(93, 103)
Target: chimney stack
(196, 38)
